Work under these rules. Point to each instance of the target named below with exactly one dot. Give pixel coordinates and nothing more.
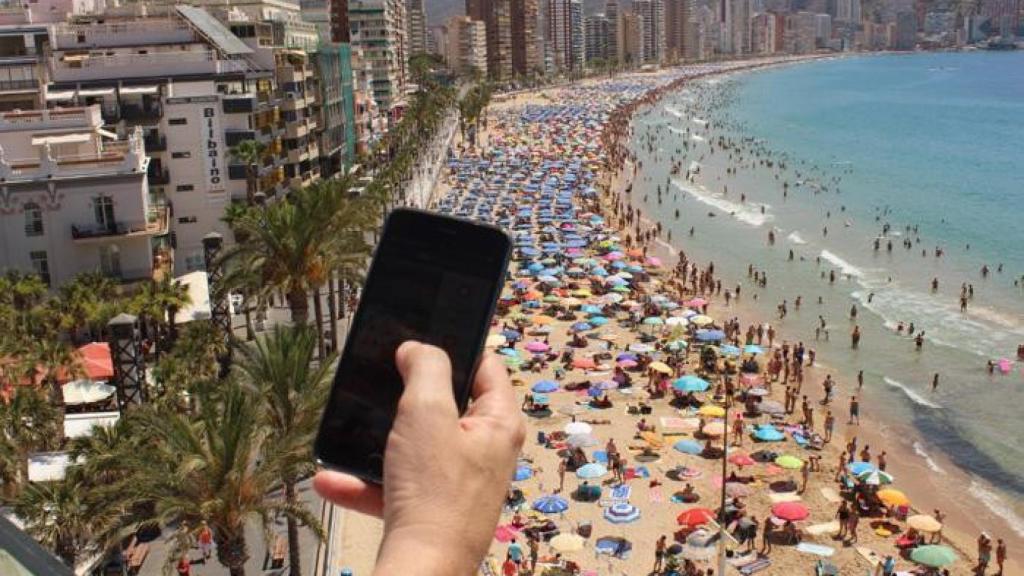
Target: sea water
(932, 141)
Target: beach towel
(619, 495)
(784, 497)
(870, 555)
(673, 423)
(826, 528)
(656, 495)
(831, 495)
(755, 566)
(816, 549)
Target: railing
(156, 223)
(135, 113)
(159, 178)
(155, 142)
(84, 117)
(32, 84)
(238, 104)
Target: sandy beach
(590, 326)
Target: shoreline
(906, 458)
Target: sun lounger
(755, 566)
(816, 549)
(822, 529)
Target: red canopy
(96, 362)
(695, 517)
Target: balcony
(156, 224)
(297, 129)
(84, 117)
(158, 177)
(30, 85)
(239, 104)
(138, 114)
(236, 137)
(155, 142)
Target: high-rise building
(678, 27)
(763, 33)
(725, 26)
(596, 37)
(613, 16)
(906, 31)
(338, 10)
(464, 45)
(497, 18)
(633, 43)
(526, 57)
(378, 29)
(741, 14)
(564, 34)
(416, 19)
(823, 29)
(653, 14)
(801, 33)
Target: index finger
(492, 389)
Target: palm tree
(52, 360)
(84, 303)
(292, 392)
(293, 245)
(156, 303)
(205, 468)
(249, 152)
(28, 423)
(191, 361)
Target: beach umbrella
(567, 542)
(545, 386)
(641, 348)
(757, 392)
(768, 434)
(550, 504)
(581, 441)
(714, 429)
(660, 367)
(710, 335)
(695, 517)
(751, 379)
(581, 327)
(591, 471)
(573, 428)
(511, 352)
(711, 410)
(597, 320)
(875, 478)
(933, 556)
(676, 346)
(792, 511)
(924, 523)
(729, 350)
(570, 302)
(542, 319)
(626, 363)
(892, 497)
(622, 513)
(613, 545)
(741, 460)
(676, 321)
(523, 472)
(537, 347)
(691, 383)
(700, 320)
(584, 363)
(653, 321)
(510, 334)
(753, 349)
(495, 340)
(695, 302)
(688, 447)
(594, 392)
(737, 489)
(605, 385)
(771, 407)
(858, 468)
(789, 462)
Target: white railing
(55, 118)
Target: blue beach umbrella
(508, 352)
(768, 434)
(623, 513)
(729, 350)
(510, 334)
(858, 468)
(688, 447)
(523, 472)
(597, 320)
(691, 383)
(709, 335)
(591, 471)
(753, 349)
(581, 327)
(550, 504)
(545, 386)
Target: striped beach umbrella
(622, 513)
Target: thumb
(427, 374)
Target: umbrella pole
(721, 513)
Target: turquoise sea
(825, 155)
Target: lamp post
(725, 463)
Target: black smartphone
(435, 279)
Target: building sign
(213, 145)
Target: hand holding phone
(445, 476)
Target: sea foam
(673, 112)
(919, 450)
(844, 266)
(749, 214)
(910, 393)
(796, 238)
(697, 138)
(997, 506)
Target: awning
(48, 466)
(139, 89)
(199, 294)
(95, 360)
(79, 425)
(106, 133)
(96, 92)
(76, 138)
(86, 392)
(60, 95)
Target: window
(41, 265)
(110, 260)
(185, 188)
(177, 121)
(103, 209)
(33, 220)
(181, 154)
(195, 261)
(187, 220)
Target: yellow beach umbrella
(700, 320)
(711, 410)
(582, 293)
(660, 367)
(714, 429)
(653, 439)
(924, 523)
(541, 319)
(567, 542)
(892, 497)
(789, 462)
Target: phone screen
(433, 279)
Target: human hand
(445, 477)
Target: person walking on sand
(766, 536)
(855, 337)
(940, 517)
(805, 473)
(830, 424)
(854, 410)
(562, 467)
(659, 554)
(852, 523)
(205, 539)
(534, 547)
(984, 553)
(843, 516)
(1000, 555)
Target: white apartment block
(74, 198)
(378, 28)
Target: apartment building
(378, 29)
(464, 45)
(21, 71)
(75, 198)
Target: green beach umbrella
(933, 556)
(789, 462)
(875, 478)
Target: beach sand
(657, 511)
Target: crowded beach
(663, 437)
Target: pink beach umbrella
(695, 303)
(537, 346)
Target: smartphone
(435, 279)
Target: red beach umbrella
(695, 517)
(792, 511)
